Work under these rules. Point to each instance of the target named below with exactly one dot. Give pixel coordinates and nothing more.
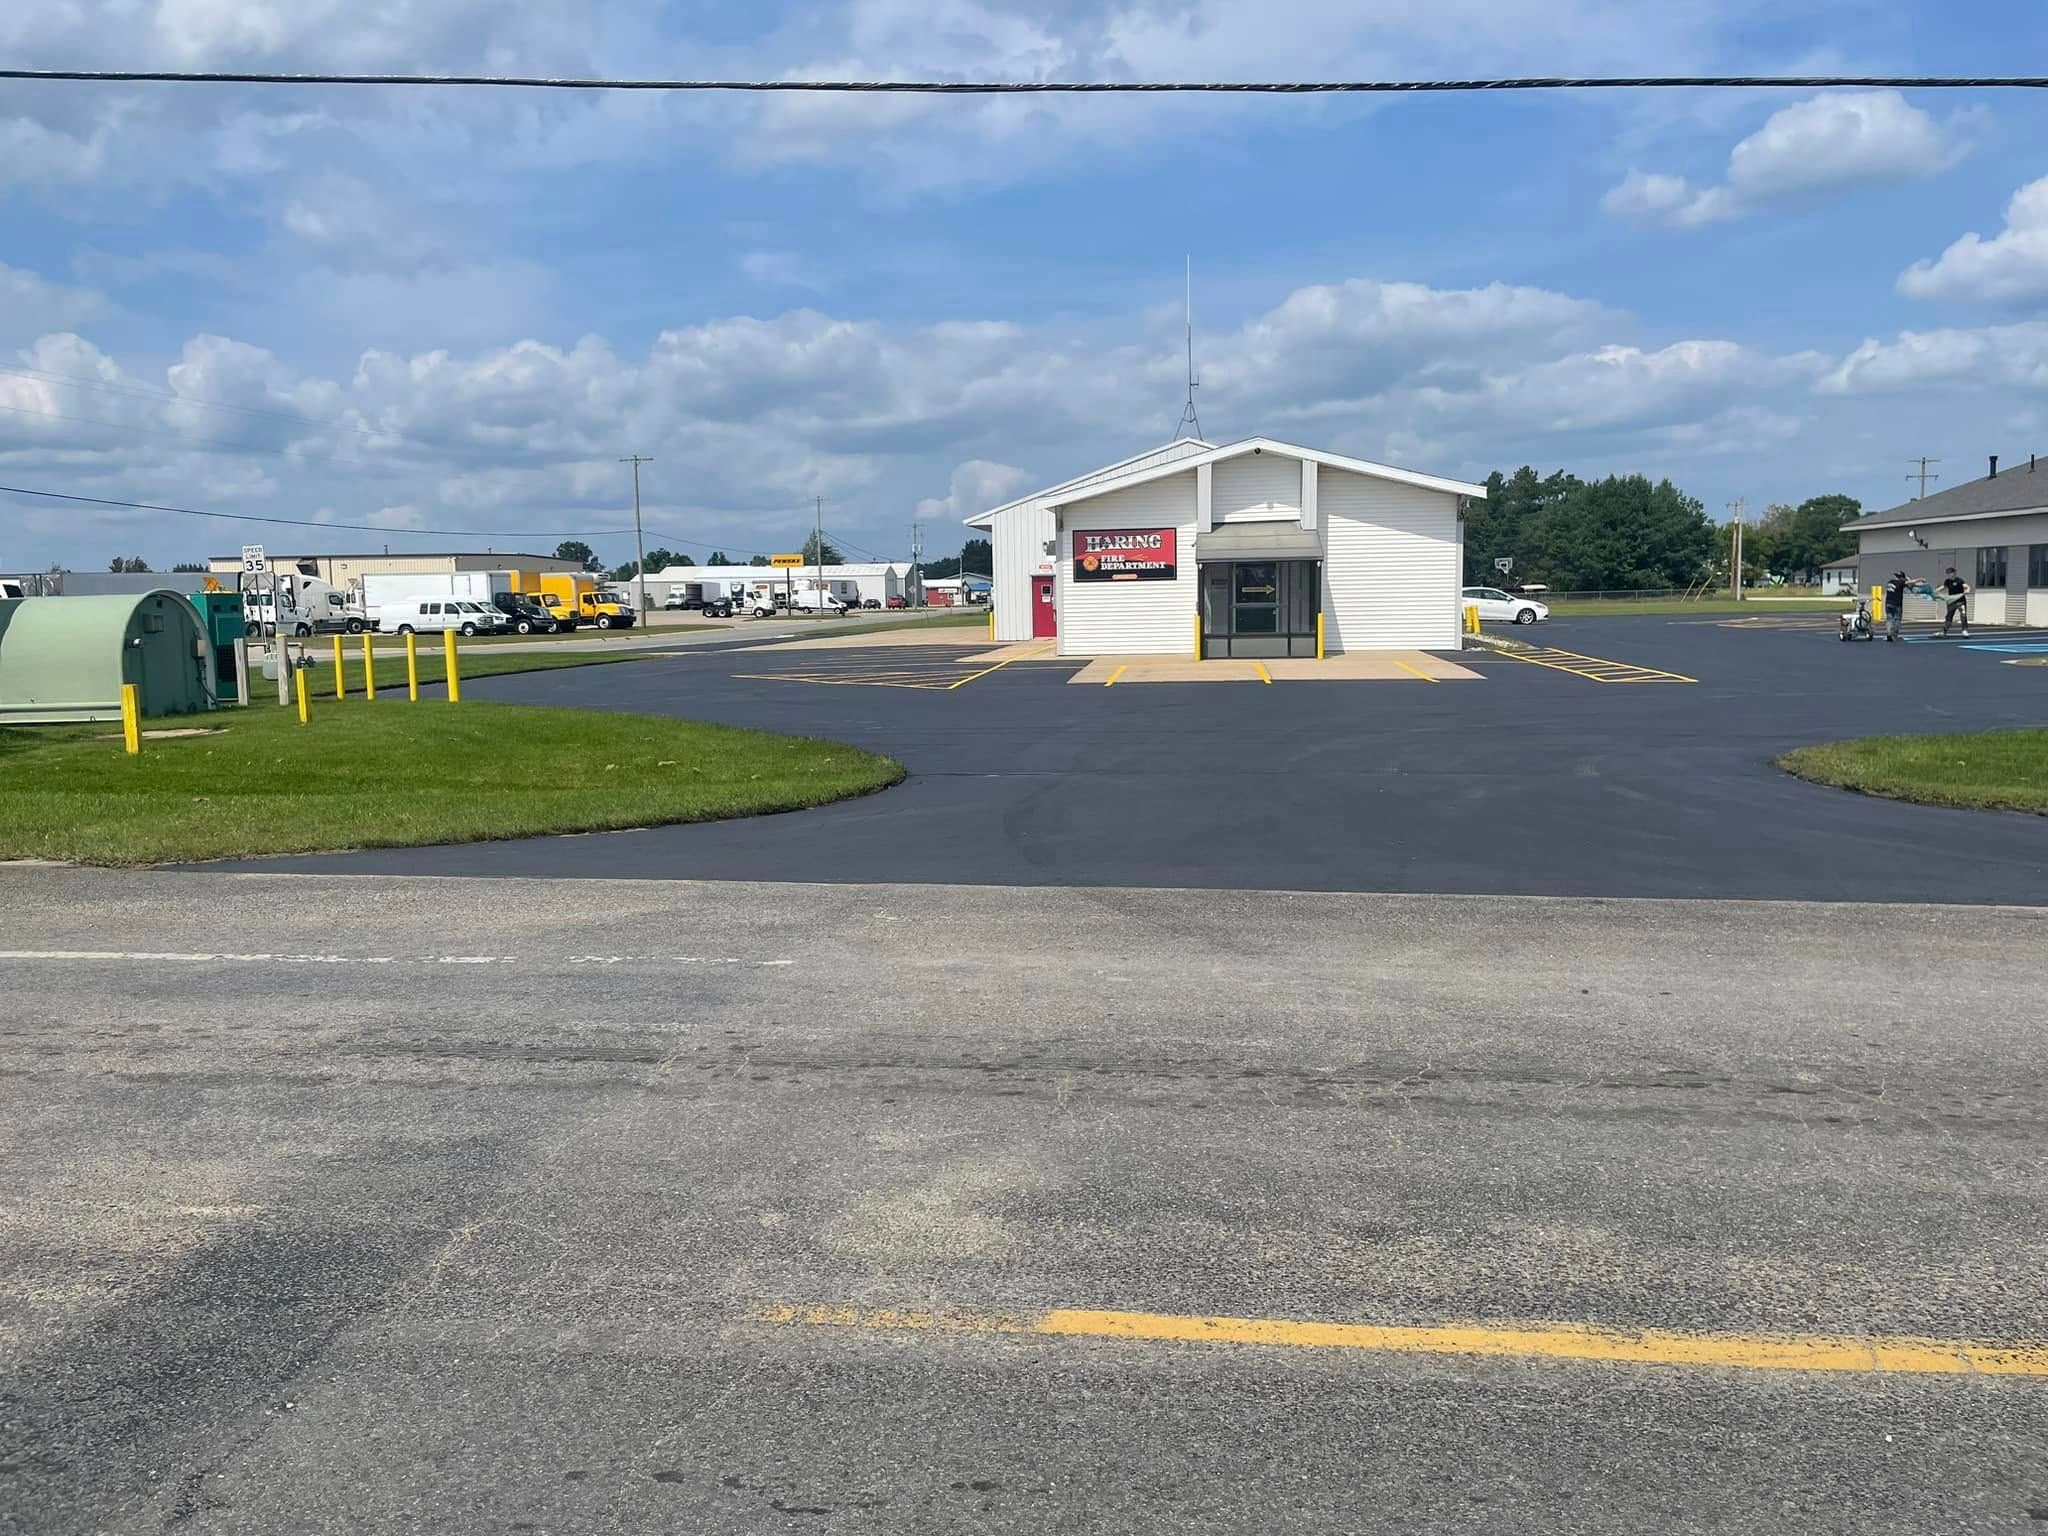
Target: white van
(434, 614)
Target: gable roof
(1285, 450)
(1195, 445)
(2019, 488)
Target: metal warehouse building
(877, 582)
(1254, 549)
(1994, 531)
(344, 570)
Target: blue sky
(458, 310)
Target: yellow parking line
(1110, 681)
(1415, 671)
(1264, 676)
(984, 672)
(1876, 1354)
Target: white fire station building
(1253, 549)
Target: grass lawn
(1993, 770)
(1590, 608)
(433, 667)
(395, 774)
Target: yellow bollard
(131, 718)
(1198, 634)
(412, 665)
(369, 668)
(305, 695)
(340, 670)
(1471, 618)
(454, 676)
(1319, 637)
(991, 618)
(1877, 605)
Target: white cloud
(2009, 268)
(749, 417)
(32, 305)
(2014, 356)
(975, 486)
(1814, 149)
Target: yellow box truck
(575, 600)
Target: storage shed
(65, 658)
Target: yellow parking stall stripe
(1878, 1354)
(984, 672)
(1414, 671)
(1264, 676)
(1597, 668)
(1110, 681)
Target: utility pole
(639, 546)
(1922, 474)
(818, 533)
(1735, 548)
(915, 586)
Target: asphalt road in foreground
(1533, 781)
(392, 1205)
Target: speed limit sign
(254, 561)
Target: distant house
(1994, 531)
(1838, 578)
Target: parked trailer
(310, 607)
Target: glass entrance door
(1260, 607)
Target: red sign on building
(1124, 554)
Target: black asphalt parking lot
(1532, 781)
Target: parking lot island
(394, 775)
(1985, 770)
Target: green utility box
(221, 614)
(66, 658)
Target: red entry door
(1045, 619)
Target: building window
(2037, 566)
(1991, 567)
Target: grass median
(1990, 770)
(395, 775)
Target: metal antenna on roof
(1188, 418)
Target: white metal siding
(1132, 618)
(1017, 541)
(1256, 482)
(1018, 535)
(1392, 572)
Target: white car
(1493, 603)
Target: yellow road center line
(1110, 682)
(1413, 671)
(1264, 676)
(1887, 1354)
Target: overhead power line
(307, 522)
(1056, 87)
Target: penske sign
(1124, 554)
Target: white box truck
(410, 587)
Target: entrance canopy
(1258, 541)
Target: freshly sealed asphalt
(391, 1206)
(1532, 781)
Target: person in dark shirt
(1895, 592)
(1956, 593)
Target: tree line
(1626, 533)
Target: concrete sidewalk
(1351, 667)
